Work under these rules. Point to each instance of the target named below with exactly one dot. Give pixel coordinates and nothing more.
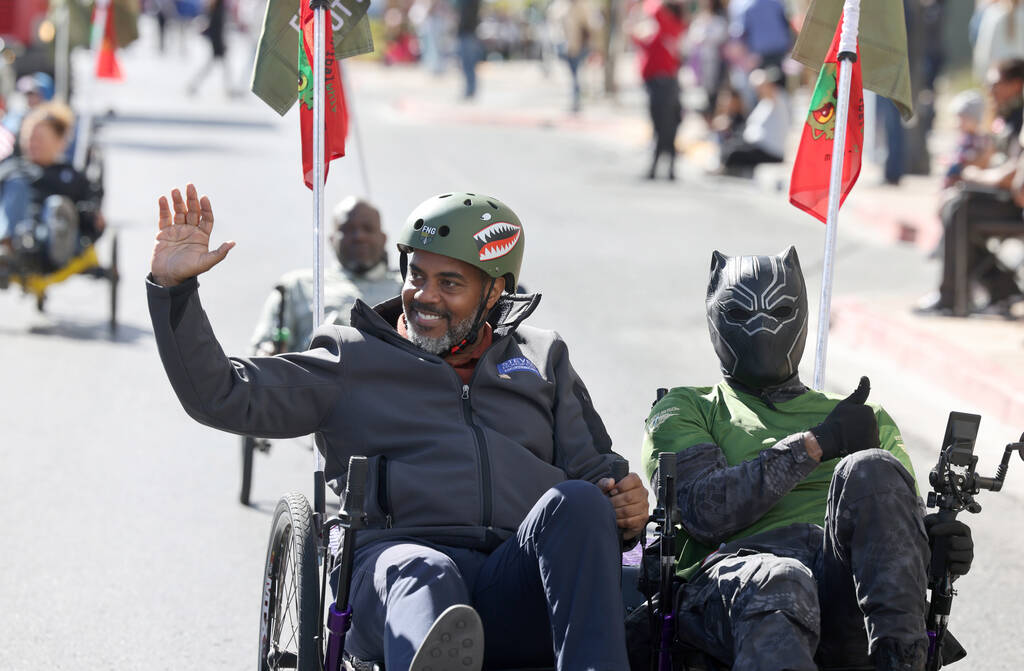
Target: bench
(966, 236)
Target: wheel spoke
(292, 617)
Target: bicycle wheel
(291, 591)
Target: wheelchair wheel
(289, 622)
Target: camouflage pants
(800, 596)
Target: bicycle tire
(291, 591)
(248, 450)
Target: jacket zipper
(485, 461)
(382, 491)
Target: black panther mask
(757, 315)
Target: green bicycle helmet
(479, 230)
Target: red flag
(809, 184)
(106, 61)
(335, 111)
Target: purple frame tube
(338, 623)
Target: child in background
(972, 147)
(729, 115)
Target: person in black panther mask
(804, 540)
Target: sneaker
(933, 304)
(455, 642)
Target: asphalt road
(123, 543)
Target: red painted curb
(991, 386)
(921, 228)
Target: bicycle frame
(350, 519)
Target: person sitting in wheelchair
(489, 499)
(361, 273)
(804, 540)
(49, 212)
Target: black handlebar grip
(355, 487)
(620, 469)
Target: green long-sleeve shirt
(738, 473)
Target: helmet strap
(478, 321)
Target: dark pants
(959, 215)
(738, 155)
(550, 594)
(469, 51)
(574, 72)
(800, 596)
(895, 140)
(666, 113)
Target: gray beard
(441, 345)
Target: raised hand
(850, 427)
(183, 241)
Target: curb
(919, 227)
(956, 369)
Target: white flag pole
(99, 28)
(62, 52)
(319, 85)
(847, 56)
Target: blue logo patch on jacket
(519, 363)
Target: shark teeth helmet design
(497, 240)
(757, 316)
(479, 230)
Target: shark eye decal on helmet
(497, 240)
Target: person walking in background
(1000, 35)
(763, 28)
(468, 44)
(578, 24)
(765, 130)
(705, 37)
(430, 19)
(216, 18)
(658, 38)
(895, 141)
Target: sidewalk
(981, 358)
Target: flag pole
(319, 8)
(62, 52)
(346, 84)
(99, 29)
(847, 57)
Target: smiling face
(757, 315)
(440, 298)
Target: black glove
(850, 427)
(959, 544)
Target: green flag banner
(126, 20)
(275, 73)
(882, 39)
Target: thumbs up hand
(850, 427)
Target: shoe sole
(455, 642)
